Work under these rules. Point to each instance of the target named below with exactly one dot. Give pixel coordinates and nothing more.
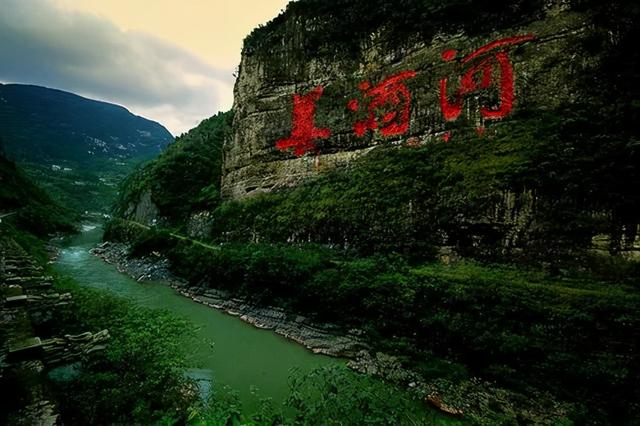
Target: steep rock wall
(545, 72)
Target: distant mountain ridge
(41, 125)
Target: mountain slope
(74, 148)
(40, 124)
(25, 205)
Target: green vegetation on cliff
(341, 27)
(414, 200)
(186, 176)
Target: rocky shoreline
(320, 338)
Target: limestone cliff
(545, 67)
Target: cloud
(86, 54)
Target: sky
(172, 61)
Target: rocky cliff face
(545, 63)
(144, 210)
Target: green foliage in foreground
(332, 394)
(577, 338)
(326, 396)
(139, 378)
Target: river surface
(226, 350)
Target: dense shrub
(261, 272)
(122, 231)
(138, 378)
(150, 241)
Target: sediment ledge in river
(322, 338)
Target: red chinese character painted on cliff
(391, 98)
(304, 130)
(480, 75)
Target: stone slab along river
(226, 349)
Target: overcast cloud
(88, 55)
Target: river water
(226, 350)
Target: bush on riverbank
(122, 231)
(325, 396)
(138, 378)
(265, 273)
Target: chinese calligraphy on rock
(484, 68)
(388, 103)
(391, 93)
(304, 129)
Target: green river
(226, 351)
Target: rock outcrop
(149, 268)
(144, 210)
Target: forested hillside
(26, 206)
(75, 148)
(183, 179)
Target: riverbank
(320, 338)
(468, 398)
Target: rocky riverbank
(474, 399)
(322, 338)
